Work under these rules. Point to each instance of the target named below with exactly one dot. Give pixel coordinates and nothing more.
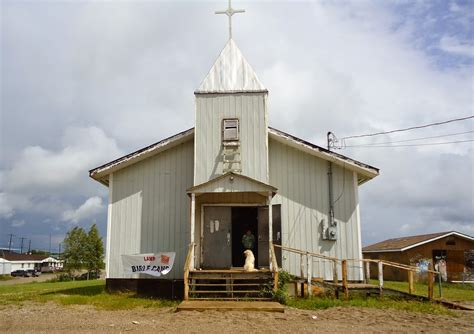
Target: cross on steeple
(229, 12)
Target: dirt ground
(54, 318)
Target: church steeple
(231, 73)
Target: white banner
(152, 264)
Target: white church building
(232, 172)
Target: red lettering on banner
(149, 258)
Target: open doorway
(243, 219)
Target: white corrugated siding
(302, 185)
(150, 208)
(250, 109)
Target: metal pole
(10, 243)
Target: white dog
(249, 261)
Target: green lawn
(450, 291)
(75, 292)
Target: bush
(62, 277)
(281, 294)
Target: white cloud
(46, 181)
(17, 223)
(6, 210)
(88, 209)
(453, 45)
(41, 168)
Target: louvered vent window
(231, 129)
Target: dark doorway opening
(243, 219)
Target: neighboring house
(450, 252)
(43, 263)
(5, 267)
(230, 173)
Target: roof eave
(101, 173)
(203, 92)
(447, 234)
(368, 172)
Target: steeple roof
(231, 73)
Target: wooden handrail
(394, 264)
(274, 267)
(294, 250)
(187, 267)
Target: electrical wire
(410, 128)
(413, 139)
(407, 145)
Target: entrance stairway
(230, 285)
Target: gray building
(228, 174)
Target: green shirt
(248, 241)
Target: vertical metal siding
(150, 208)
(302, 185)
(250, 109)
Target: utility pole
(59, 253)
(29, 247)
(21, 247)
(49, 244)
(10, 242)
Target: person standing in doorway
(248, 240)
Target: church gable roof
(101, 173)
(231, 73)
(364, 171)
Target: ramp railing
(187, 268)
(308, 256)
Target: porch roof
(232, 183)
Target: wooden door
(217, 238)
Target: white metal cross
(229, 12)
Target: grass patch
(451, 291)
(317, 303)
(6, 277)
(77, 293)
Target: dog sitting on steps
(249, 261)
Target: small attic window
(230, 129)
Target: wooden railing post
(367, 272)
(380, 267)
(302, 266)
(334, 271)
(430, 281)
(345, 288)
(308, 269)
(411, 286)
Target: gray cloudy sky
(84, 82)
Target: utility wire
(410, 128)
(406, 145)
(413, 139)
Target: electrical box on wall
(329, 231)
